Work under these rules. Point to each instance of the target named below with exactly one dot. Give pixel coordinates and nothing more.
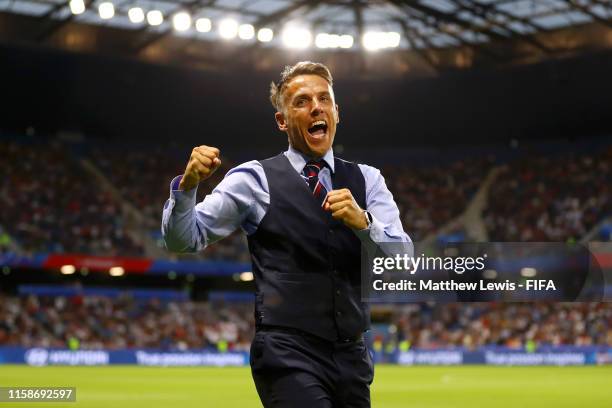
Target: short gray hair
(290, 72)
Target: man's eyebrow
(300, 96)
(305, 95)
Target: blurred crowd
(145, 183)
(95, 322)
(550, 198)
(514, 325)
(142, 175)
(99, 322)
(428, 197)
(50, 204)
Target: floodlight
(136, 15)
(181, 21)
(228, 28)
(106, 10)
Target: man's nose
(316, 107)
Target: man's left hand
(343, 207)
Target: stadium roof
(430, 35)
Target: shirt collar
(298, 160)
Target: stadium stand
(100, 322)
(153, 168)
(546, 198)
(428, 197)
(554, 198)
(60, 209)
(49, 204)
(511, 325)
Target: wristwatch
(368, 219)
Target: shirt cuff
(373, 233)
(174, 184)
(183, 200)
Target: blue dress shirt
(242, 199)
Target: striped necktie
(311, 175)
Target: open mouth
(318, 129)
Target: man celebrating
(306, 214)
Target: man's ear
(280, 121)
(337, 114)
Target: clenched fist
(203, 162)
(343, 207)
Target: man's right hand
(203, 162)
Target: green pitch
(418, 387)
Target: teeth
(318, 122)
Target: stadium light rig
(181, 21)
(228, 28)
(325, 40)
(246, 31)
(293, 35)
(346, 41)
(77, 7)
(136, 15)
(155, 18)
(377, 40)
(296, 38)
(106, 10)
(203, 25)
(265, 34)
